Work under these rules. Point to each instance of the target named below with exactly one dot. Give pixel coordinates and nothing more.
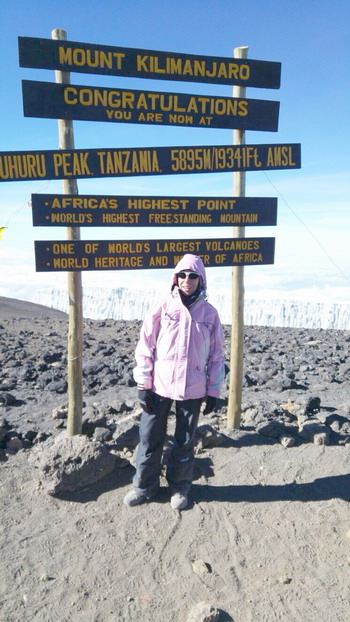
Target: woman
(179, 358)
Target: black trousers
(153, 428)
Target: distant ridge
(10, 307)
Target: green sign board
(92, 103)
(134, 63)
(146, 211)
(88, 163)
(71, 256)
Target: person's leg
(181, 460)
(153, 428)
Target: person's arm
(215, 366)
(144, 353)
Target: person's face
(187, 285)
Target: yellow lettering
(118, 56)
(274, 156)
(280, 156)
(205, 120)
(70, 263)
(63, 248)
(22, 166)
(158, 260)
(141, 63)
(65, 56)
(243, 108)
(80, 165)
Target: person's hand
(210, 405)
(145, 399)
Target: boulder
(126, 434)
(314, 432)
(272, 429)
(102, 435)
(207, 436)
(67, 464)
(287, 441)
(14, 443)
(60, 412)
(313, 405)
(7, 399)
(93, 418)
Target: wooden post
(237, 327)
(75, 326)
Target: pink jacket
(180, 351)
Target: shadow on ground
(322, 489)
(118, 478)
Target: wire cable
(15, 213)
(309, 231)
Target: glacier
(124, 303)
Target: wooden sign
(92, 103)
(88, 163)
(129, 62)
(145, 211)
(63, 256)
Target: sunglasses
(191, 275)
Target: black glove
(210, 405)
(146, 401)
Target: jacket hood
(191, 262)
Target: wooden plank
(151, 211)
(130, 62)
(60, 256)
(114, 105)
(106, 162)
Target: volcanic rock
(66, 464)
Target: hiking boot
(134, 498)
(178, 501)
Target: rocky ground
(266, 536)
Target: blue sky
(311, 40)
